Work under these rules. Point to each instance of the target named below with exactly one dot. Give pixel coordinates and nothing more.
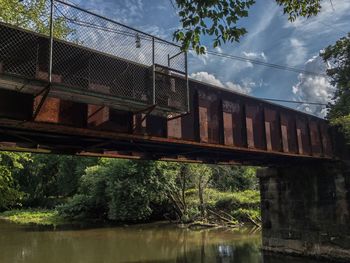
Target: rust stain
(228, 128)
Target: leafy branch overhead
(219, 19)
(33, 15)
(338, 55)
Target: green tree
(174, 185)
(33, 15)
(49, 178)
(338, 55)
(118, 190)
(219, 19)
(131, 187)
(91, 200)
(234, 178)
(201, 174)
(10, 164)
(343, 123)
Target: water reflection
(134, 244)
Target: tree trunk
(201, 198)
(183, 190)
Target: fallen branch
(202, 224)
(253, 221)
(219, 216)
(227, 214)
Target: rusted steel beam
(74, 131)
(42, 98)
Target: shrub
(79, 206)
(243, 215)
(248, 199)
(241, 205)
(117, 190)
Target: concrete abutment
(306, 210)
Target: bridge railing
(77, 50)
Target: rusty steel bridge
(105, 89)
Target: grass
(212, 197)
(33, 217)
(241, 205)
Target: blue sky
(271, 38)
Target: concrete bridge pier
(306, 210)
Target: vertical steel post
(320, 135)
(153, 72)
(309, 135)
(51, 40)
(187, 86)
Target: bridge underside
(53, 138)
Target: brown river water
(158, 243)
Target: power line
(296, 102)
(332, 5)
(257, 62)
(266, 64)
(173, 5)
(239, 58)
(129, 33)
(333, 27)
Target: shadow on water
(156, 243)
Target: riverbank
(34, 217)
(223, 209)
(227, 208)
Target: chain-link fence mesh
(171, 91)
(24, 42)
(95, 55)
(18, 52)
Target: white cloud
(126, 11)
(244, 88)
(157, 31)
(219, 50)
(297, 53)
(207, 78)
(325, 21)
(239, 88)
(255, 55)
(203, 58)
(314, 88)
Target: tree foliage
(10, 164)
(124, 190)
(201, 174)
(233, 178)
(338, 55)
(131, 188)
(118, 190)
(33, 15)
(220, 19)
(303, 8)
(48, 178)
(344, 125)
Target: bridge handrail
(86, 29)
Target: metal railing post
(187, 86)
(51, 40)
(153, 71)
